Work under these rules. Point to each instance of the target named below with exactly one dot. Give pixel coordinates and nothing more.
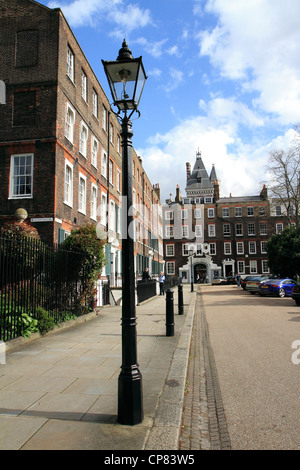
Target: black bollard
(180, 300)
(169, 313)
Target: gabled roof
(199, 178)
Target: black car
(296, 293)
(244, 281)
(231, 280)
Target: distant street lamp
(126, 77)
(191, 254)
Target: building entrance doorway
(200, 273)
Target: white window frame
(94, 151)
(211, 230)
(279, 227)
(238, 212)
(185, 231)
(184, 214)
(198, 230)
(170, 250)
(263, 228)
(253, 266)
(227, 248)
(82, 193)
(104, 118)
(225, 212)
(185, 249)
(111, 133)
(197, 213)
(250, 232)
(212, 249)
(211, 212)
(199, 249)
(250, 211)
(263, 248)
(95, 103)
(239, 230)
(70, 64)
(112, 216)
(170, 268)
(93, 201)
(103, 208)
(169, 231)
(240, 248)
(226, 230)
(83, 139)
(84, 85)
(241, 267)
(68, 185)
(26, 175)
(111, 171)
(104, 164)
(169, 215)
(118, 180)
(69, 122)
(252, 248)
(264, 266)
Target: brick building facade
(60, 146)
(227, 234)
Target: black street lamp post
(191, 254)
(126, 77)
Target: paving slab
(60, 391)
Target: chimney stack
(188, 170)
(178, 195)
(157, 190)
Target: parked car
(231, 280)
(252, 284)
(296, 293)
(280, 287)
(244, 280)
(218, 281)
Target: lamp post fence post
(130, 395)
(126, 77)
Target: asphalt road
(253, 341)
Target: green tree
(284, 178)
(85, 241)
(284, 252)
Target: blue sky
(223, 77)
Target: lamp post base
(130, 397)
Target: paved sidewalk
(59, 392)
(204, 424)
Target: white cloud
(240, 173)
(91, 12)
(155, 72)
(155, 48)
(174, 51)
(231, 113)
(130, 18)
(258, 43)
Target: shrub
(44, 321)
(84, 240)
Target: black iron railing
(34, 275)
(145, 290)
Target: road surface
(256, 346)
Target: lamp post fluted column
(126, 77)
(130, 396)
